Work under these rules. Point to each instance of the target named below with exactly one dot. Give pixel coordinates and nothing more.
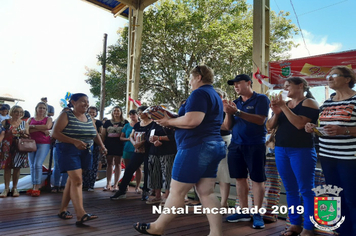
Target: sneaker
(258, 222)
(144, 196)
(118, 195)
(238, 217)
(90, 190)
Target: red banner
(313, 69)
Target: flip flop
(85, 217)
(143, 227)
(64, 215)
(289, 231)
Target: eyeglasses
(17, 112)
(199, 71)
(334, 76)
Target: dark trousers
(136, 161)
(89, 176)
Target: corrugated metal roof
(115, 7)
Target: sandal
(138, 191)
(65, 215)
(153, 201)
(55, 189)
(29, 192)
(15, 192)
(61, 189)
(4, 193)
(35, 193)
(143, 227)
(292, 233)
(106, 188)
(86, 217)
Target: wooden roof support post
(261, 39)
(134, 56)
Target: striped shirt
(341, 113)
(84, 131)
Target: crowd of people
(212, 140)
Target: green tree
(180, 34)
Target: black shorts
(247, 159)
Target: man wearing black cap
(50, 109)
(246, 117)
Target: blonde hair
(15, 108)
(206, 73)
(41, 103)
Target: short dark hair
(132, 112)
(142, 108)
(75, 97)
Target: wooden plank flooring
(27, 215)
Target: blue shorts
(200, 161)
(71, 158)
(247, 159)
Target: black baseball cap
(4, 107)
(239, 78)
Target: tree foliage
(181, 34)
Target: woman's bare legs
(73, 191)
(117, 163)
(205, 190)
(224, 192)
(15, 177)
(109, 169)
(176, 199)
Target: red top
(39, 136)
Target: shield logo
(286, 71)
(327, 210)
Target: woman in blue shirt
(129, 149)
(200, 149)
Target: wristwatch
(237, 113)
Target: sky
(45, 45)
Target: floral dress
(9, 156)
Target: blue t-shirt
(127, 130)
(245, 132)
(206, 100)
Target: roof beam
(146, 3)
(130, 3)
(119, 9)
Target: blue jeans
(36, 160)
(296, 166)
(57, 172)
(342, 173)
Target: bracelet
(347, 131)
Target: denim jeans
(200, 161)
(36, 160)
(342, 173)
(56, 171)
(296, 166)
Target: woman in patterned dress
(10, 158)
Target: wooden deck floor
(27, 215)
